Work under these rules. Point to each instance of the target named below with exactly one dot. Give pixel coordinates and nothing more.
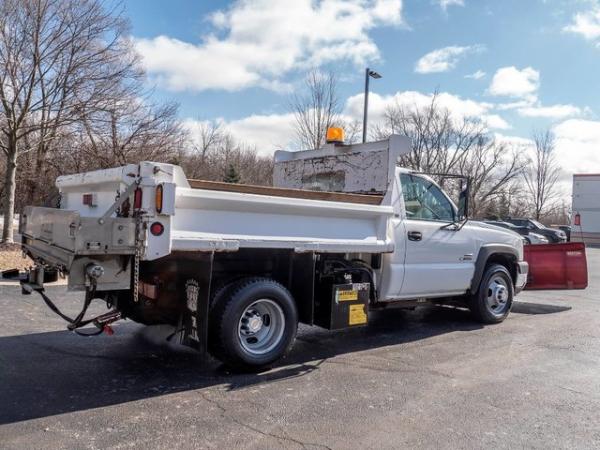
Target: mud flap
(194, 278)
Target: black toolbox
(343, 306)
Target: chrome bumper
(521, 280)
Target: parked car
(528, 236)
(565, 228)
(553, 236)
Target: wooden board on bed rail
(374, 199)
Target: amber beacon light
(335, 135)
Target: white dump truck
(234, 268)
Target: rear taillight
(159, 198)
(157, 228)
(137, 199)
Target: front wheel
(253, 323)
(493, 300)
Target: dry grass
(11, 257)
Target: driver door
(438, 261)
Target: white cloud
(458, 107)
(577, 146)
(550, 112)
(258, 42)
(445, 3)
(515, 105)
(524, 144)
(512, 82)
(586, 24)
(269, 132)
(265, 132)
(476, 75)
(495, 121)
(444, 59)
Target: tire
(252, 324)
(493, 300)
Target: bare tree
(442, 143)
(129, 131)
(439, 142)
(213, 151)
(58, 58)
(542, 175)
(493, 168)
(316, 109)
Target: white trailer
(585, 220)
(234, 268)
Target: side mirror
(463, 199)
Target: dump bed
(208, 219)
(113, 211)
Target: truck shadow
(537, 308)
(45, 374)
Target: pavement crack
(411, 369)
(225, 414)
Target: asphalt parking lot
(430, 378)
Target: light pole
(368, 74)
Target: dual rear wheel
(253, 323)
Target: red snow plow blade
(557, 266)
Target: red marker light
(137, 199)
(88, 199)
(157, 228)
(577, 220)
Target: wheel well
(505, 260)
(295, 271)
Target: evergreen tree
(231, 175)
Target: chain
(136, 259)
(137, 255)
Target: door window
(423, 200)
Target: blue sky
(519, 65)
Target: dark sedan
(554, 236)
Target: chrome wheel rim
(261, 327)
(498, 294)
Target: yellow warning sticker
(347, 296)
(357, 315)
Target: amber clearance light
(158, 202)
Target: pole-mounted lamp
(368, 74)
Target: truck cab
(233, 269)
(434, 256)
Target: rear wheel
(493, 300)
(253, 323)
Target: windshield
(537, 224)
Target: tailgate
(57, 236)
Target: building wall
(586, 203)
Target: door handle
(415, 236)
